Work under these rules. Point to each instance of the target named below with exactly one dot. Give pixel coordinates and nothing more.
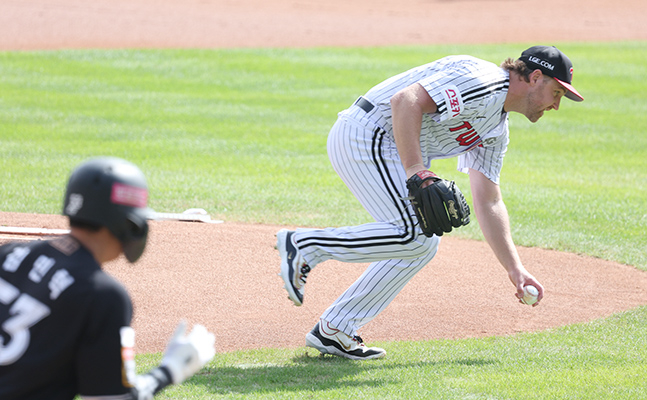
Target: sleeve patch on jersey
(453, 100)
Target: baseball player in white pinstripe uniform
(454, 107)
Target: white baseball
(530, 294)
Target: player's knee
(427, 246)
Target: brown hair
(518, 67)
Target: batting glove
(187, 354)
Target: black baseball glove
(438, 206)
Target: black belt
(364, 104)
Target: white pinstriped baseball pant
(369, 164)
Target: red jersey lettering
(467, 138)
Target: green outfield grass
(242, 134)
(600, 360)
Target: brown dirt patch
(55, 24)
(225, 275)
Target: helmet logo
(74, 205)
(129, 195)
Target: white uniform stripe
(373, 292)
(369, 235)
(380, 208)
(483, 87)
(479, 92)
(396, 195)
(378, 181)
(367, 307)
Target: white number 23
(25, 312)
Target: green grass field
(600, 360)
(242, 133)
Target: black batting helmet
(112, 193)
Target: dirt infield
(225, 275)
(55, 24)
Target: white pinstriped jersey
(470, 122)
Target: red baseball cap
(553, 63)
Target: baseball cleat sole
(329, 345)
(287, 269)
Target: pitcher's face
(545, 96)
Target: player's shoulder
(475, 65)
(466, 64)
(61, 247)
(106, 285)
(60, 253)
(64, 256)
(109, 301)
(102, 292)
